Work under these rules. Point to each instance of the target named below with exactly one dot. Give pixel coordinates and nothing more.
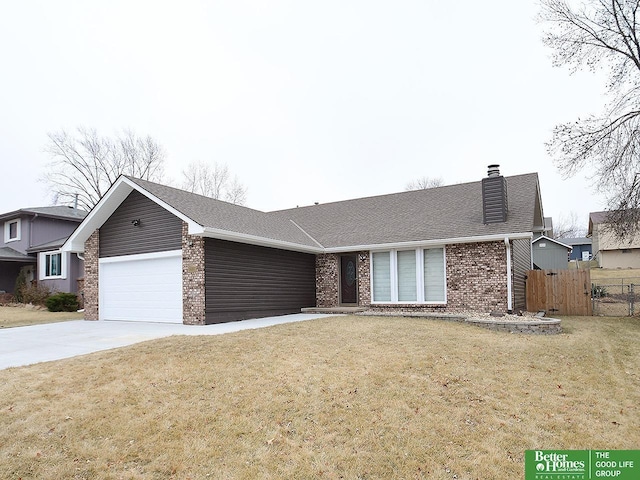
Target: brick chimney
(494, 196)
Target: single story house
(608, 250)
(581, 248)
(157, 253)
(32, 240)
(550, 254)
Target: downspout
(31, 220)
(509, 280)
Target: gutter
(509, 279)
(429, 243)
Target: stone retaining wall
(536, 326)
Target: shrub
(598, 291)
(62, 302)
(21, 285)
(34, 293)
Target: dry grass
(344, 397)
(601, 275)
(20, 316)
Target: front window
(52, 265)
(409, 276)
(12, 230)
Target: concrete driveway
(52, 341)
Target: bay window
(409, 276)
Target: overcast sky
(304, 101)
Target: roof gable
(552, 240)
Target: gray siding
(521, 264)
(45, 230)
(248, 281)
(550, 257)
(158, 231)
(75, 270)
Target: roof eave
(210, 232)
(436, 242)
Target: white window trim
(7, 230)
(42, 265)
(393, 267)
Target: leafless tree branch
(601, 35)
(86, 164)
(213, 180)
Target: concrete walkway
(53, 341)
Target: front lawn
(343, 397)
(21, 315)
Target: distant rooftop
(58, 211)
(576, 241)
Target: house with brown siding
(156, 253)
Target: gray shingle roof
(11, 255)
(438, 213)
(217, 214)
(58, 211)
(598, 217)
(576, 241)
(52, 245)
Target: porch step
(333, 310)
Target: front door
(348, 279)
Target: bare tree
(86, 164)
(602, 35)
(424, 183)
(215, 181)
(568, 226)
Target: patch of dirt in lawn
(17, 315)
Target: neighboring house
(548, 227)
(581, 248)
(32, 240)
(608, 250)
(156, 253)
(550, 254)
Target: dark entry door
(348, 279)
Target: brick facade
(193, 278)
(91, 267)
(476, 280)
(364, 282)
(327, 280)
(477, 277)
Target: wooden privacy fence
(559, 292)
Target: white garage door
(145, 288)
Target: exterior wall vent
(494, 196)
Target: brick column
(193, 279)
(91, 287)
(364, 279)
(327, 280)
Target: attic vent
(494, 196)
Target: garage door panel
(141, 289)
